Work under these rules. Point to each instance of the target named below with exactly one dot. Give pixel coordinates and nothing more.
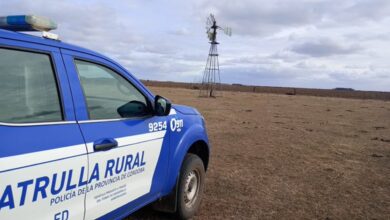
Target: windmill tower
(211, 81)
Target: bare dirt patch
(292, 157)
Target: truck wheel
(191, 184)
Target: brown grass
(292, 157)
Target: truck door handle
(106, 144)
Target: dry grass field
(292, 157)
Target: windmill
(211, 81)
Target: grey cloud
(286, 56)
(373, 10)
(262, 18)
(257, 17)
(324, 48)
(249, 60)
(180, 32)
(369, 36)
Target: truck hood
(186, 110)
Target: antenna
(211, 81)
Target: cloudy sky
(307, 43)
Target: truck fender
(194, 134)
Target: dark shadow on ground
(147, 213)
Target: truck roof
(6, 34)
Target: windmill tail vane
(211, 80)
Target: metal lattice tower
(211, 81)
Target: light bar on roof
(27, 23)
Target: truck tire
(191, 185)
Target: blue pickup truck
(82, 138)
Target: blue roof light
(27, 23)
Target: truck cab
(82, 138)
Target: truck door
(127, 146)
(43, 157)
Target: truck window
(28, 89)
(106, 92)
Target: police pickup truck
(82, 138)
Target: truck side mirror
(133, 109)
(162, 106)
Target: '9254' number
(157, 126)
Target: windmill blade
(212, 17)
(228, 31)
(209, 22)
